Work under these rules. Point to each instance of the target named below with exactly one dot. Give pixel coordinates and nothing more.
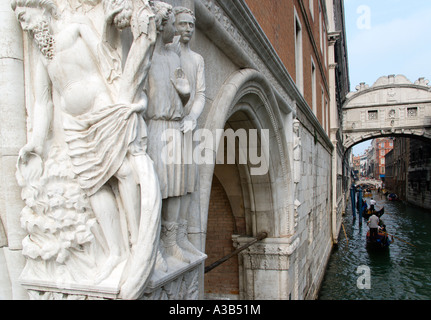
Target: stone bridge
(362, 182)
(391, 106)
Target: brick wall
(276, 18)
(221, 225)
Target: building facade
(276, 69)
(408, 171)
(397, 162)
(381, 147)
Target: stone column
(267, 269)
(12, 138)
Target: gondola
(392, 197)
(367, 214)
(382, 241)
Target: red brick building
(298, 32)
(313, 60)
(381, 147)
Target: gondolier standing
(373, 224)
(372, 204)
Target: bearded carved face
(34, 21)
(28, 17)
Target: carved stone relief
(95, 188)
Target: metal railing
(259, 237)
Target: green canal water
(403, 272)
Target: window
(412, 112)
(327, 115)
(323, 110)
(320, 29)
(372, 115)
(298, 55)
(325, 47)
(313, 87)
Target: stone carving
(193, 65)
(93, 199)
(297, 151)
(175, 101)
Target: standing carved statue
(297, 151)
(104, 132)
(167, 89)
(193, 65)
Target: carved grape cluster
(44, 39)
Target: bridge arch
(392, 106)
(373, 182)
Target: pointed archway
(261, 197)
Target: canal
(401, 273)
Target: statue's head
(164, 20)
(30, 12)
(296, 125)
(163, 13)
(184, 23)
(34, 17)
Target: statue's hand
(111, 12)
(29, 148)
(181, 83)
(136, 108)
(188, 124)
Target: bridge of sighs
(392, 106)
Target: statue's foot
(186, 245)
(175, 251)
(109, 266)
(161, 264)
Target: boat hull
(381, 242)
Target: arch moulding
(247, 92)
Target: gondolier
(373, 224)
(372, 204)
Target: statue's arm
(190, 121)
(199, 99)
(43, 112)
(139, 58)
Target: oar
(401, 239)
(345, 234)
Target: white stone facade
(393, 105)
(293, 202)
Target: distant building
(408, 171)
(397, 161)
(363, 161)
(381, 147)
(419, 174)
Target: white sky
(387, 37)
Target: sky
(387, 37)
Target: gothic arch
(246, 101)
